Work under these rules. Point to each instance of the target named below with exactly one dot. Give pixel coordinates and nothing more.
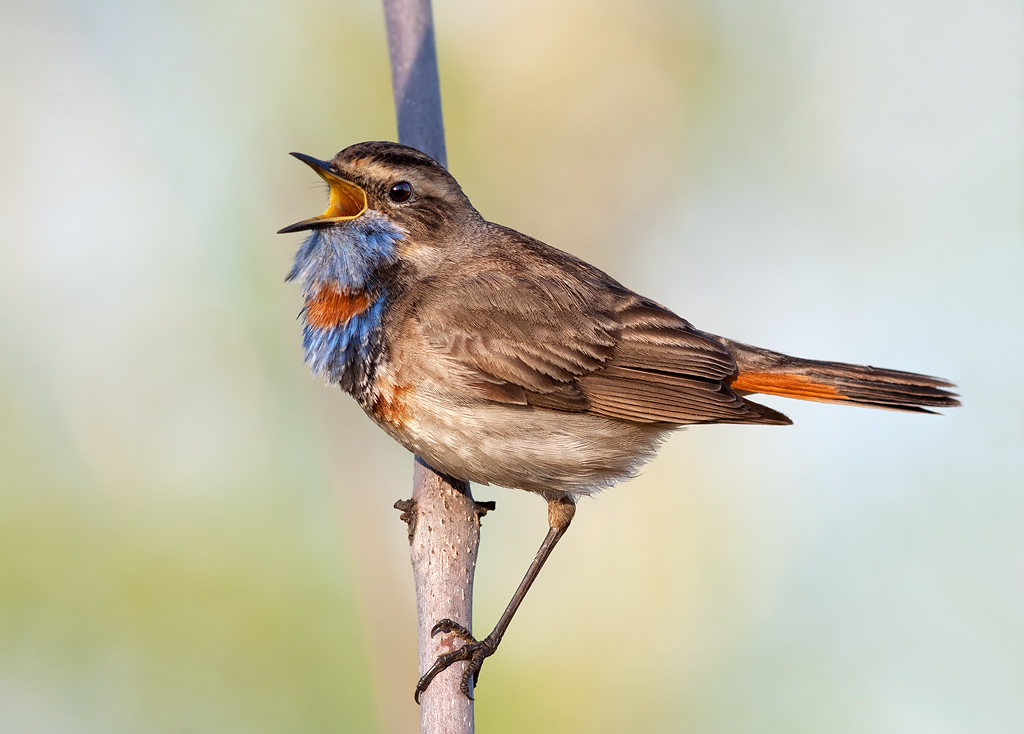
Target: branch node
(482, 508)
(409, 515)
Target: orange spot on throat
(787, 386)
(330, 307)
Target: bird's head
(391, 207)
(406, 187)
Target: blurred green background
(197, 536)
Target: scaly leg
(560, 514)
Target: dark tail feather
(771, 373)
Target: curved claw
(472, 670)
(449, 626)
(473, 651)
(442, 663)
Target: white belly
(539, 450)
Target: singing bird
(498, 359)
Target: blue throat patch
(347, 258)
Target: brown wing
(524, 341)
(564, 336)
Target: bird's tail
(771, 373)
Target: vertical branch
(444, 535)
(444, 522)
(414, 78)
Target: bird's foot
(473, 651)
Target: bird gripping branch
(501, 360)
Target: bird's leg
(560, 514)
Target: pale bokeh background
(197, 536)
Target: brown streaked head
(408, 187)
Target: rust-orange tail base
(771, 373)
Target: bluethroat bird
(498, 359)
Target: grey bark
(444, 529)
(443, 549)
(414, 78)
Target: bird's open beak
(348, 201)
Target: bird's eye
(400, 192)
